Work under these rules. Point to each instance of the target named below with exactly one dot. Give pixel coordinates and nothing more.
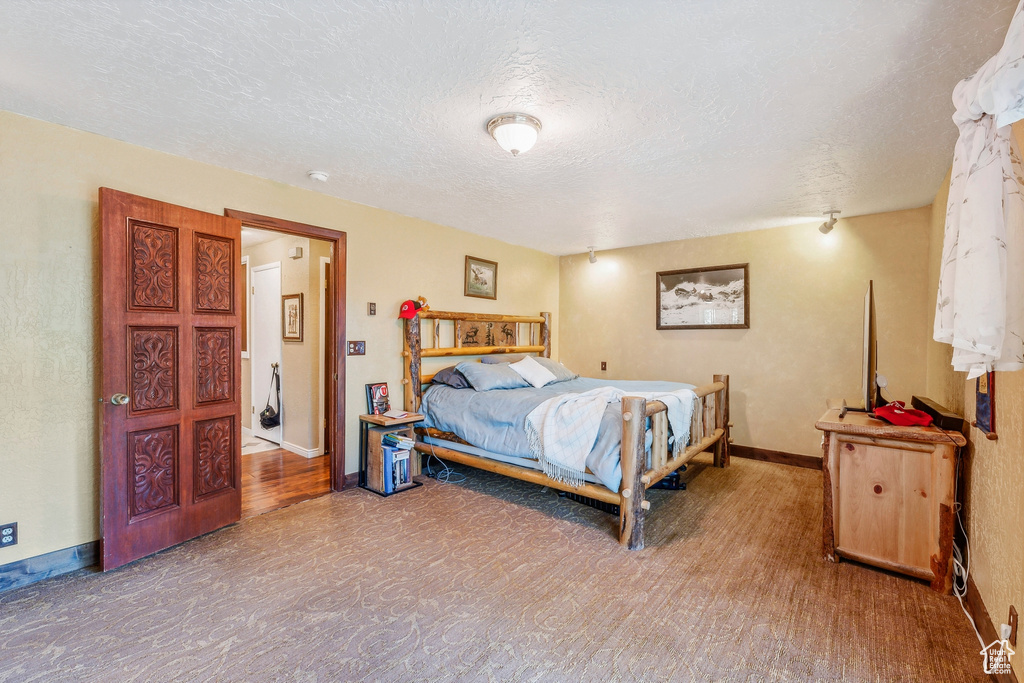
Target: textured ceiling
(662, 120)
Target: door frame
(335, 338)
(325, 270)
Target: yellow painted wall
(805, 339)
(993, 471)
(49, 285)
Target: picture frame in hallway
(715, 297)
(481, 278)
(291, 317)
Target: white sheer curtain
(980, 305)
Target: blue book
(388, 468)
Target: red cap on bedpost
(410, 308)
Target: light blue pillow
(486, 377)
(560, 372)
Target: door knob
(119, 399)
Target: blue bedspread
(496, 420)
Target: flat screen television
(871, 391)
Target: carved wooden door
(171, 359)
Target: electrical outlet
(604, 365)
(8, 534)
(357, 348)
(1012, 620)
(371, 308)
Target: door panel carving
(153, 267)
(152, 460)
(154, 369)
(214, 274)
(214, 377)
(214, 447)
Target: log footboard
(709, 428)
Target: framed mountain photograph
(716, 297)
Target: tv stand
(889, 495)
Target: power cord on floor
(446, 475)
(962, 561)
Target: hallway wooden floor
(276, 478)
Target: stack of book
(396, 440)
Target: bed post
(634, 461)
(722, 422)
(413, 390)
(545, 334)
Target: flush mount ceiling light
(593, 258)
(319, 176)
(516, 133)
(826, 227)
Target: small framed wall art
(291, 317)
(481, 278)
(716, 297)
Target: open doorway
(291, 362)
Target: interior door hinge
(254, 410)
(335, 377)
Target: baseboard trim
(351, 480)
(781, 457)
(986, 627)
(298, 450)
(32, 569)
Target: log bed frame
(709, 427)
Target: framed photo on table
(716, 297)
(377, 401)
(291, 317)
(481, 278)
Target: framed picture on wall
(716, 297)
(291, 317)
(481, 278)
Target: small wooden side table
(372, 429)
(889, 493)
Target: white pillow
(533, 372)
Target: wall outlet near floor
(8, 534)
(357, 348)
(604, 365)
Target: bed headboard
(474, 334)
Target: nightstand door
(887, 511)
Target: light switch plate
(371, 308)
(357, 348)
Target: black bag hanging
(270, 417)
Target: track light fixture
(593, 258)
(826, 227)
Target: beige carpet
(495, 579)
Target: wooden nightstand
(372, 429)
(888, 495)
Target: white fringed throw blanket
(562, 430)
